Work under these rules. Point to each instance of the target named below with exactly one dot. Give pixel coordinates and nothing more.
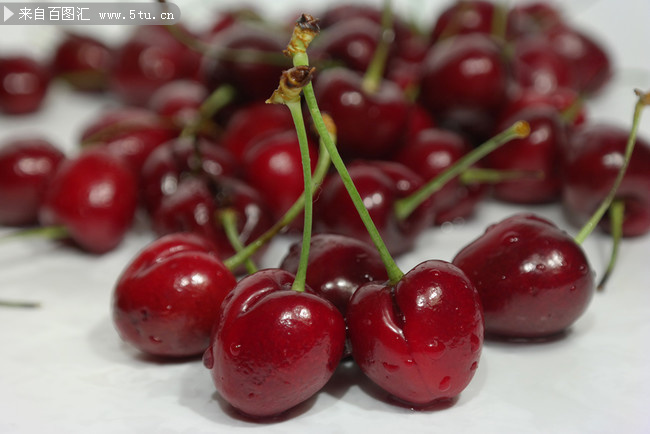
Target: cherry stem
(228, 220)
(21, 304)
(301, 274)
(643, 100)
(475, 175)
(405, 206)
(375, 72)
(570, 114)
(322, 167)
(47, 232)
(500, 21)
(221, 97)
(616, 212)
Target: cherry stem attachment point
(642, 101)
(616, 213)
(405, 206)
(228, 220)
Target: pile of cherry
(194, 143)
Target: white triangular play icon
(7, 13)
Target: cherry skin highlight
(273, 347)
(534, 280)
(421, 339)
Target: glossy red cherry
(129, 133)
(596, 153)
(179, 100)
(535, 64)
(83, 62)
(369, 124)
(94, 197)
(149, 59)
(429, 154)
(563, 99)
(254, 122)
(532, 18)
(166, 300)
(420, 339)
(338, 266)
(194, 205)
(273, 167)
(464, 17)
(587, 59)
(540, 152)
(534, 280)
(464, 82)
(23, 85)
(380, 184)
(273, 347)
(26, 169)
(177, 158)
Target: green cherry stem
(642, 101)
(221, 97)
(47, 232)
(475, 175)
(404, 207)
(228, 220)
(375, 72)
(301, 274)
(20, 304)
(616, 212)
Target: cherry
(83, 62)
(150, 58)
(23, 85)
(420, 339)
(464, 17)
(94, 197)
(464, 81)
(273, 167)
(535, 64)
(369, 123)
(253, 122)
(541, 151)
(193, 207)
(26, 169)
(429, 154)
(565, 100)
(248, 57)
(171, 161)
(179, 100)
(165, 300)
(532, 19)
(588, 61)
(380, 185)
(534, 280)
(594, 157)
(338, 266)
(273, 347)
(129, 133)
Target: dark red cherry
(166, 300)
(380, 184)
(23, 85)
(595, 155)
(273, 348)
(26, 170)
(369, 124)
(429, 154)
(535, 64)
(94, 197)
(194, 205)
(533, 278)
(177, 158)
(129, 133)
(587, 59)
(149, 59)
(540, 152)
(338, 266)
(464, 82)
(253, 122)
(249, 57)
(83, 61)
(179, 100)
(563, 99)
(464, 17)
(273, 166)
(420, 339)
(532, 18)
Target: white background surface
(63, 368)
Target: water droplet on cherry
(235, 349)
(445, 383)
(474, 366)
(475, 343)
(208, 358)
(436, 349)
